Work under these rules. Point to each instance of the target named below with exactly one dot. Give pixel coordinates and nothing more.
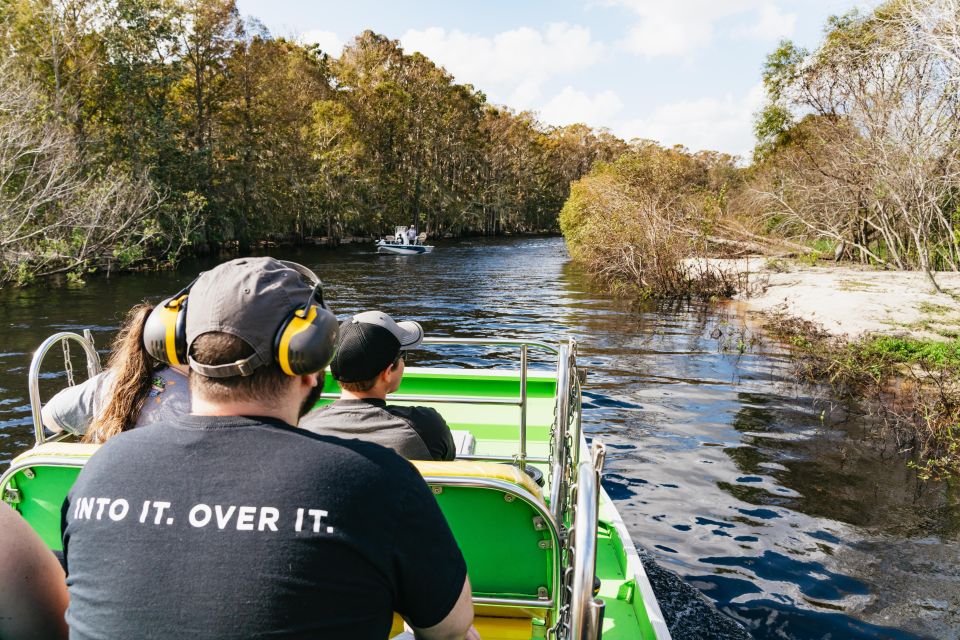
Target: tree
(208, 31)
(54, 217)
(874, 164)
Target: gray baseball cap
(408, 333)
(248, 298)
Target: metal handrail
(577, 434)
(33, 378)
(450, 399)
(558, 489)
(506, 342)
(524, 345)
(523, 408)
(584, 609)
(507, 459)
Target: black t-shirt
(416, 433)
(231, 527)
(430, 426)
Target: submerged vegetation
(912, 386)
(134, 131)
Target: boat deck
(496, 428)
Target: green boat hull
(491, 406)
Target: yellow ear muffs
(165, 331)
(307, 340)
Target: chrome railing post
(574, 395)
(558, 488)
(93, 365)
(33, 377)
(584, 609)
(523, 408)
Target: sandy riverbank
(850, 301)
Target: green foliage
(226, 136)
(911, 351)
(773, 128)
(823, 246)
(129, 256)
(929, 307)
(25, 276)
(636, 222)
(781, 69)
(75, 280)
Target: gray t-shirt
(74, 408)
(416, 433)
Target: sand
(849, 301)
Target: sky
(676, 71)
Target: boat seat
(496, 513)
(38, 481)
(463, 442)
(505, 531)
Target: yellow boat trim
(465, 469)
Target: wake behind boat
(404, 242)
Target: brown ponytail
(131, 370)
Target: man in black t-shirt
(369, 365)
(232, 523)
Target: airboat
(548, 555)
(398, 244)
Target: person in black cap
(369, 365)
(230, 522)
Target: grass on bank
(911, 385)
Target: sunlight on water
(719, 463)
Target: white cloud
(329, 41)
(680, 27)
(660, 34)
(772, 24)
(511, 65)
(719, 124)
(571, 106)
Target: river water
(759, 493)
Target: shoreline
(850, 302)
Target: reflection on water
(728, 473)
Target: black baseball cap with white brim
(370, 342)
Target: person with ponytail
(134, 390)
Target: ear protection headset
(307, 340)
(304, 343)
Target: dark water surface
(757, 493)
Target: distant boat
(398, 244)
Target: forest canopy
(134, 131)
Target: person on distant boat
(33, 595)
(230, 522)
(369, 365)
(412, 235)
(129, 393)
